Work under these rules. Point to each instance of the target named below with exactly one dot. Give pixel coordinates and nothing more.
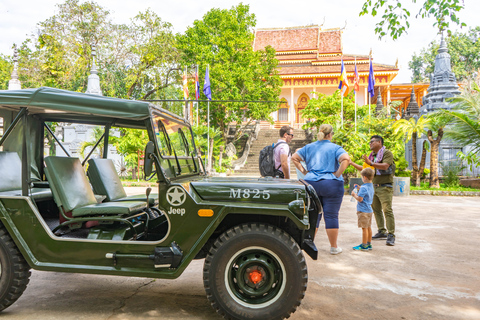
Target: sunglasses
(290, 134)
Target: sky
(18, 20)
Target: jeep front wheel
(255, 271)
(14, 271)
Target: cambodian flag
(356, 80)
(197, 86)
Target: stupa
(443, 83)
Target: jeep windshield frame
(175, 146)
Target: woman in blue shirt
(326, 163)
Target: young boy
(364, 209)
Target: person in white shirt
(282, 153)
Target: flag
(356, 80)
(371, 81)
(206, 86)
(343, 86)
(197, 86)
(185, 85)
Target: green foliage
(6, 68)
(464, 50)
(130, 143)
(134, 60)
(465, 119)
(223, 41)
(451, 170)
(413, 126)
(327, 109)
(395, 16)
(443, 187)
(472, 159)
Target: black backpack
(266, 160)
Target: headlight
(297, 207)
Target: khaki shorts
(364, 219)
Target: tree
(223, 40)
(464, 50)
(438, 122)
(134, 60)
(465, 119)
(5, 72)
(395, 16)
(412, 129)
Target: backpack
(266, 160)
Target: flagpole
(355, 91)
(341, 112)
(208, 131)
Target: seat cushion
(110, 208)
(152, 199)
(104, 179)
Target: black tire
(255, 271)
(14, 271)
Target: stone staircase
(266, 137)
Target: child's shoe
(361, 247)
(369, 247)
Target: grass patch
(443, 187)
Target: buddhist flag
(206, 86)
(343, 86)
(371, 81)
(356, 80)
(185, 85)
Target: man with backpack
(274, 159)
(282, 154)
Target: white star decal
(176, 196)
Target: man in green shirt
(381, 159)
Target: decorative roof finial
(93, 85)
(14, 83)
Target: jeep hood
(262, 190)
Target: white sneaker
(336, 250)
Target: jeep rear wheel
(255, 271)
(14, 271)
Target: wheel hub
(255, 276)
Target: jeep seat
(72, 192)
(11, 178)
(105, 181)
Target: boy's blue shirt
(366, 192)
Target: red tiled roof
(330, 41)
(289, 44)
(287, 39)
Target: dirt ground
(433, 272)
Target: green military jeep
(59, 213)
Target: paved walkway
(432, 273)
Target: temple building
(310, 62)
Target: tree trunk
(415, 173)
(421, 168)
(434, 144)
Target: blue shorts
(330, 193)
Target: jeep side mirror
(148, 161)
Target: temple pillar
(291, 112)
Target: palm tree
(412, 129)
(465, 119)
(438, 122)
